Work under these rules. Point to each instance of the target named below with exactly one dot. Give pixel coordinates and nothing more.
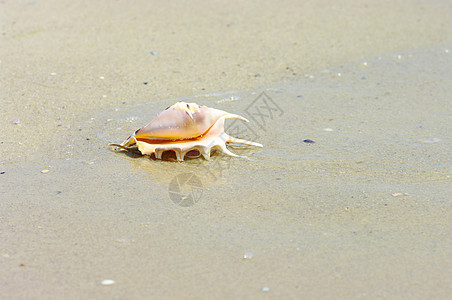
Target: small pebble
(45, 171)
(154, 52)
(430, 141)
(120, 240)
(248, 255)
(308, 141)
(266, 289)
(132, 119)
(101, 77)
(3, 172)
(328, 129)
(398, 194)
(53, 74)
(16, 122)
(107, 282)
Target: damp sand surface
(361, 211)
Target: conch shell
(186, 129)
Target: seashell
(186, 129)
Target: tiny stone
(107, 282)
(248, 255)
(398, 194)
(45, 171)
(1, 173)
(131, 119)
(430, 141)
(308, 141)
(154, 52)
(16, 122)
(328, 129)
(53, 74)
(266, 289)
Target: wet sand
(364, 212)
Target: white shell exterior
(184, 127)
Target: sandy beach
(348, 199)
